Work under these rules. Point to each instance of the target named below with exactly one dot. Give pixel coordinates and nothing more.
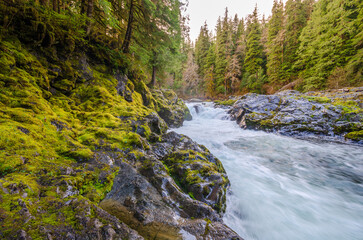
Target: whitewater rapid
(283, 188)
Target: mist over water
(283, 188)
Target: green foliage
(253, 61)
(315, 43)
(330, 41)
(254, 82)
(275, 43)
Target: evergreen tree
(296, 19)
(241, 45)
(201, 48)
(253, 61)
(221, 53)
(275, 43)
(209, 77)
(332, 40)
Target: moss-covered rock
(330, 115)
(73, 114)
(170, 107)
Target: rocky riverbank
(84, 147)
(335, 115)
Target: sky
(209, 10)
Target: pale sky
(209, 10)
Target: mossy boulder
(151, 196)
(170, 107)
(337, 117)
(196, 170)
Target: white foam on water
(283, 188)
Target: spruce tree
(221, 53)
(296, 19)
(275, 43)
(202, 45)
(332, 43)
(253, 61)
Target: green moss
(52, 119)
(356, 136)
(191, 195)
(348, 106)
(318, 99)
(229, 102)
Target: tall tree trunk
(153, 78)
(44, 2)
(83, 6)
(55, 5)
(127, 40)
(90, 7)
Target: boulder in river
(170, 108)
(303, 115)
(178, 192)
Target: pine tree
(275, 43)
(241, 45)
(201, 48)
(253, 61)
(221, 53)
(332, 40)
(209, 77)
(254, 76)
(296, 19)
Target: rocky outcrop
(178, 192)
(84, 152)
(327, 115)
(171, 108)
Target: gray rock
(153, 198)
(170, 108)
(291, 113)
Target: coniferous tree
(201, 48)
(253, 61)
(275, 43)
(221, 54)
(332, 40)
(209, 77)
(296, 18)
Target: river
(283, 188)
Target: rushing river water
(283, 188)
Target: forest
(136, 34)
(304, 45)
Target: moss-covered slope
(76, 119)
(62, 105)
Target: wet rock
(24, 130)
(122, 88)
(170, 108)
(291, 113)
(179, 185)
(151, 202)
(59, 125)
(198, 172)
(85, 69)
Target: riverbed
(283, 188)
